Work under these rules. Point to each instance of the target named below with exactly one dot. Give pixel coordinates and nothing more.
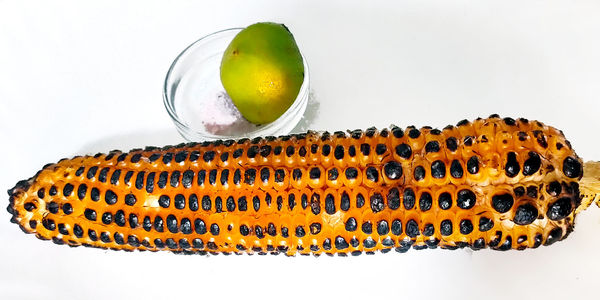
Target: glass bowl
(198, 104)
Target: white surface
(77, 78)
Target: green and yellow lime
(262, 71)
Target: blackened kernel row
(340, 243)
(132, 240)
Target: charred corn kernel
(497, 183)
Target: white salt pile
(220, 116)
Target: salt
(221, 117)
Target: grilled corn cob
(497, 183)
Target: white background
(78, 78)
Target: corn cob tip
(21, 185)
(15, 194)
